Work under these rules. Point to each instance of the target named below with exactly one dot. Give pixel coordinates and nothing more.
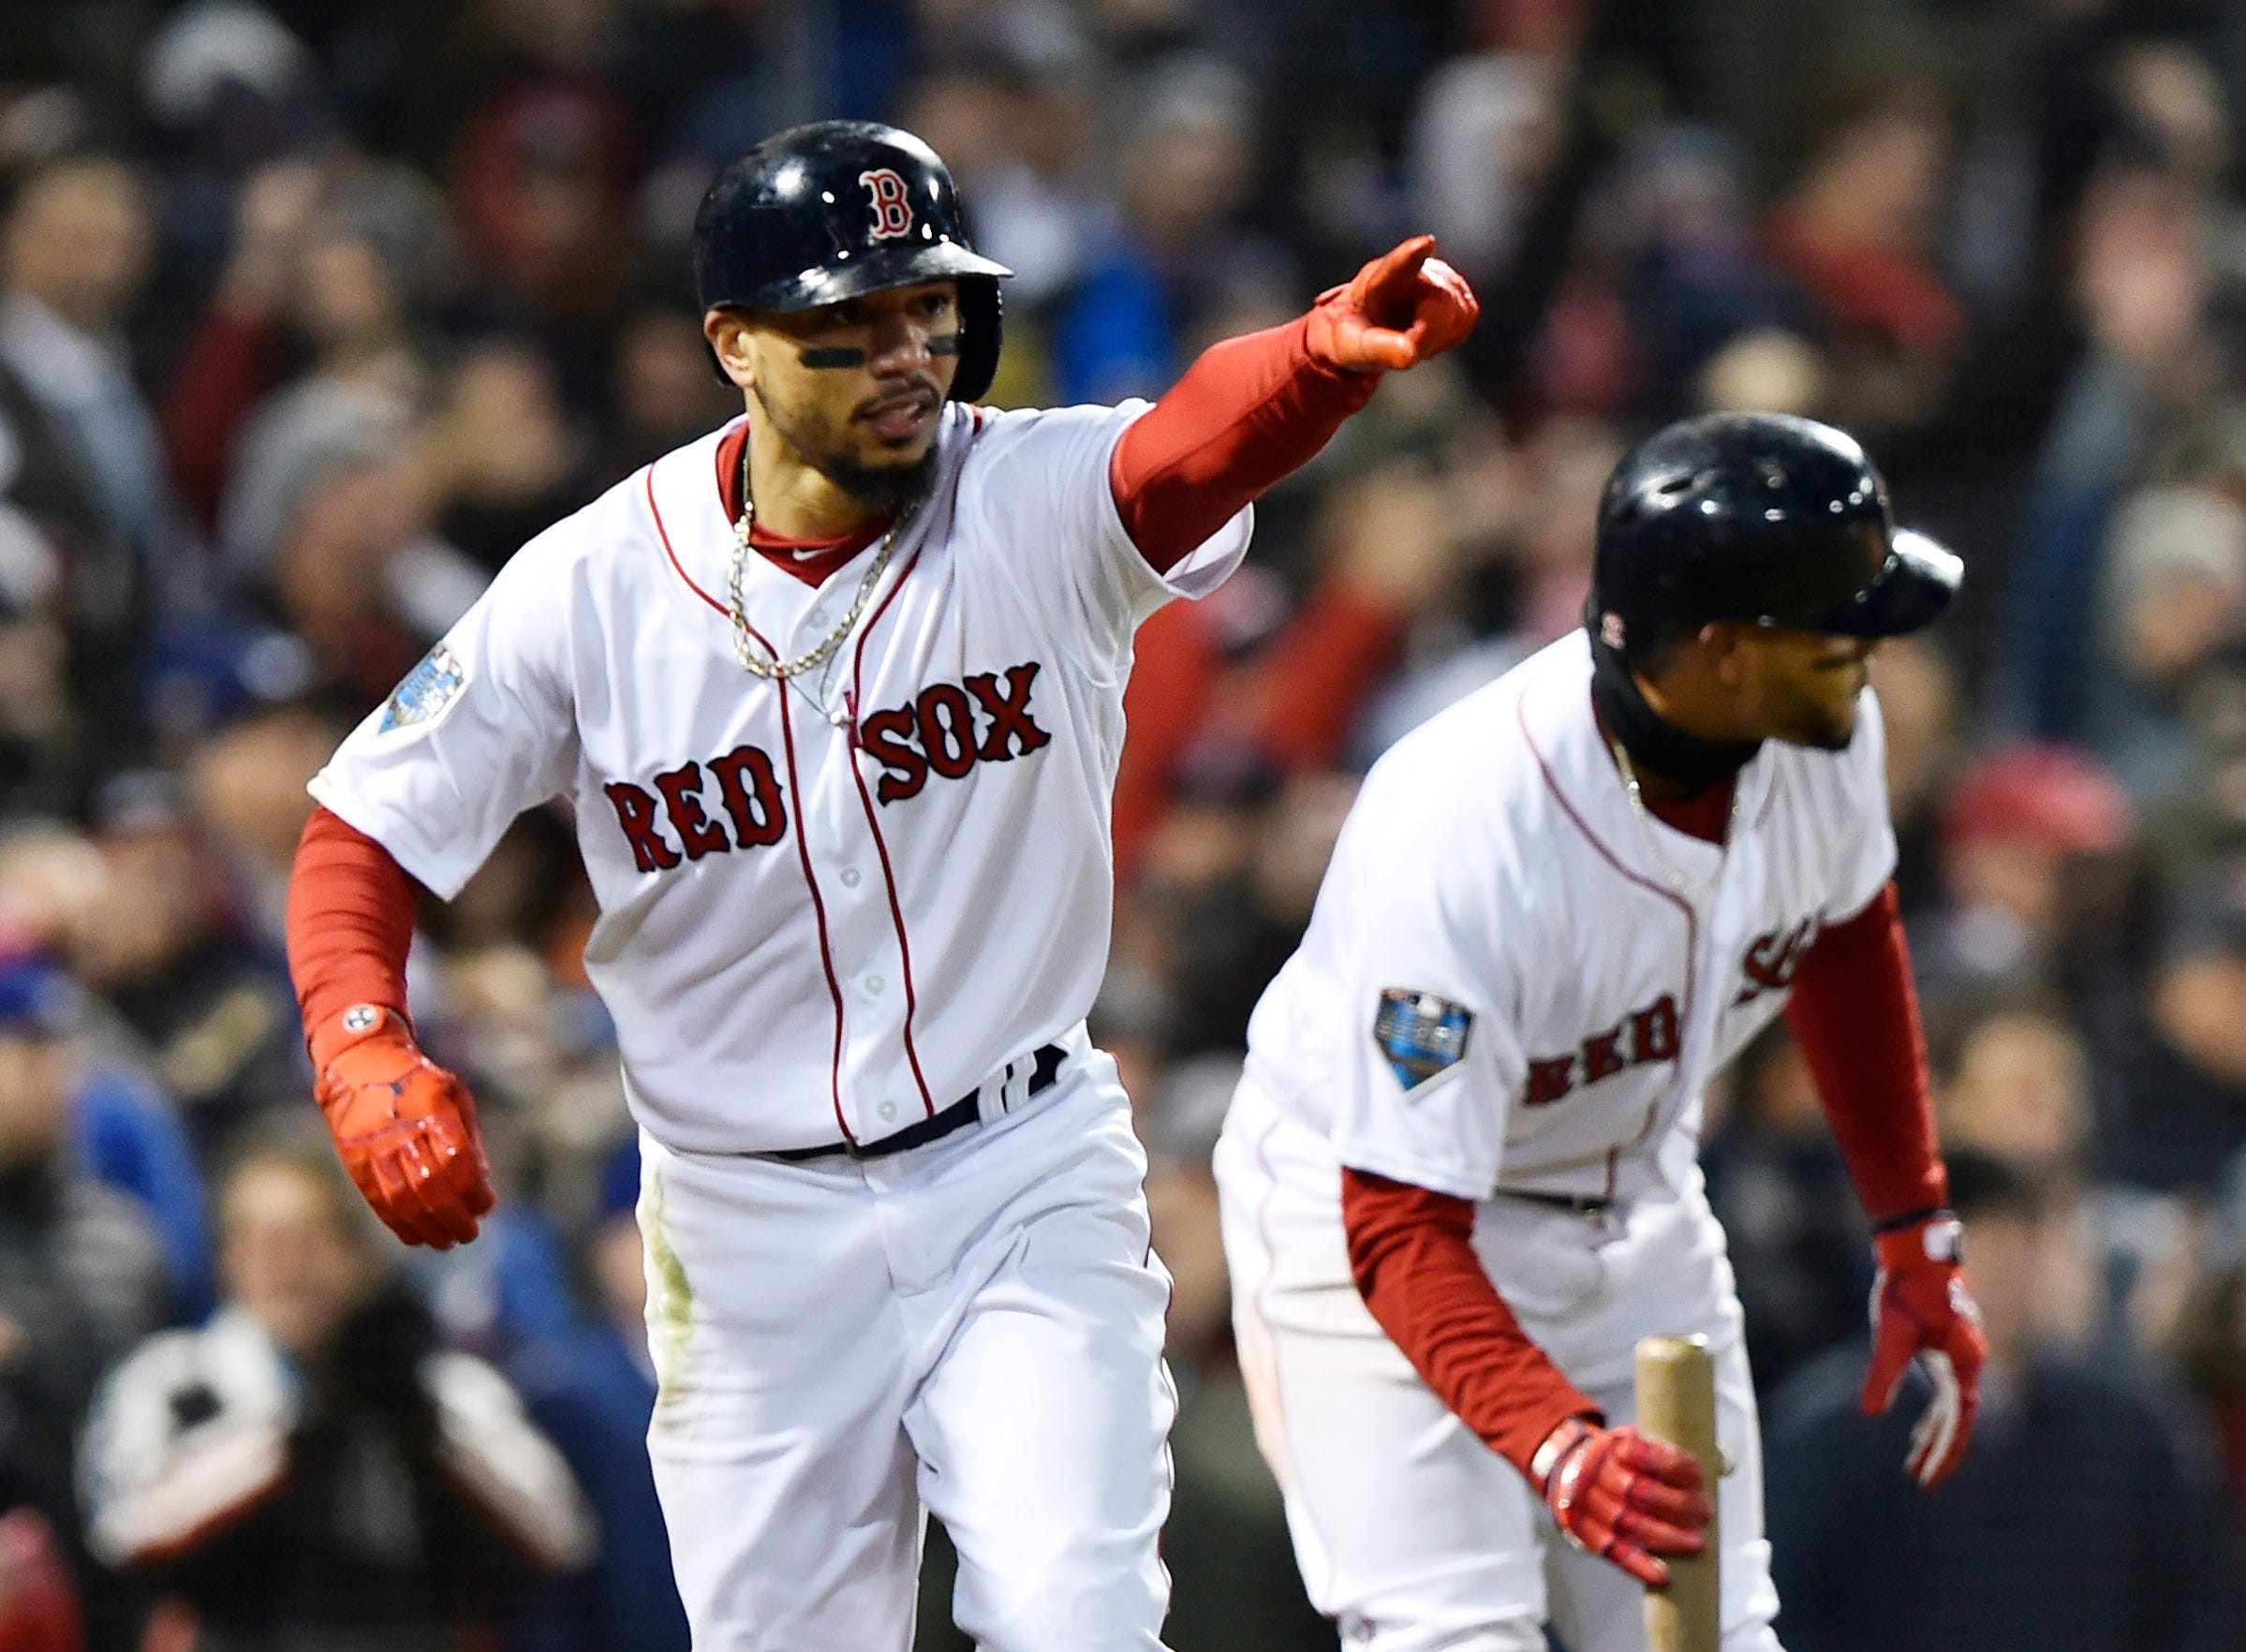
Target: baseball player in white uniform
(1459, 1178)
(836, 694)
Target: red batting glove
(1921, 1308)
(1623, 1496)
(1403, 308)
(405, 1130)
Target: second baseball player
(1459, 1177)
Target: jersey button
(849, 877)
(888, 1110)
(873, 984)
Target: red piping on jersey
(1692, 921)
(818, 907)
(803, 850)
(865, 801)
(676, 566)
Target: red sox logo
(936, 731)
(892, 205)
(1771, 959)
(1641, 1036)
(1651, 1034)
(946, 731)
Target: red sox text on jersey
(946, 729)
(1649, 1035)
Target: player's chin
(888, 464)
(889, 481)
(902, 453)
(1825, 730)
(884, 464)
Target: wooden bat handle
(1677, 1402)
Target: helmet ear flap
(981, 320)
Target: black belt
(1576, 1204)
(938, 1124)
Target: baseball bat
(1677, 1402)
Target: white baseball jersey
(1513, 978)
(831, 908)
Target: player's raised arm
(1255, 407)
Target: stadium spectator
(210, 1012)
(76, 243)
(2034, 845)
(2150, 368)
(1855, 233)
(2183, 1095)
(310, 1469)
(82, 1275)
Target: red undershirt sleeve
(1412, 1253)
(1854, 1013)
(351, 909)
(1249, 411)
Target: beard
(887, 487)
(897, 488)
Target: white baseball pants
(973, 1327)
(1411, 1533)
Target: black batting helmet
(839, 209)
(1757, 518)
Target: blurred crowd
(312, 311)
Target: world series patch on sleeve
(425, 691)
(1421, 1034)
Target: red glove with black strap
(1920, 1309)
(404, 1128)
(1623, 1496)
(1403, 308)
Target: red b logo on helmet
(892, 207)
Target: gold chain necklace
(1689, 887)
(775, 668)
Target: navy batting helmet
(839, 209)
(1758, 519)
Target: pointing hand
(1405, 307)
